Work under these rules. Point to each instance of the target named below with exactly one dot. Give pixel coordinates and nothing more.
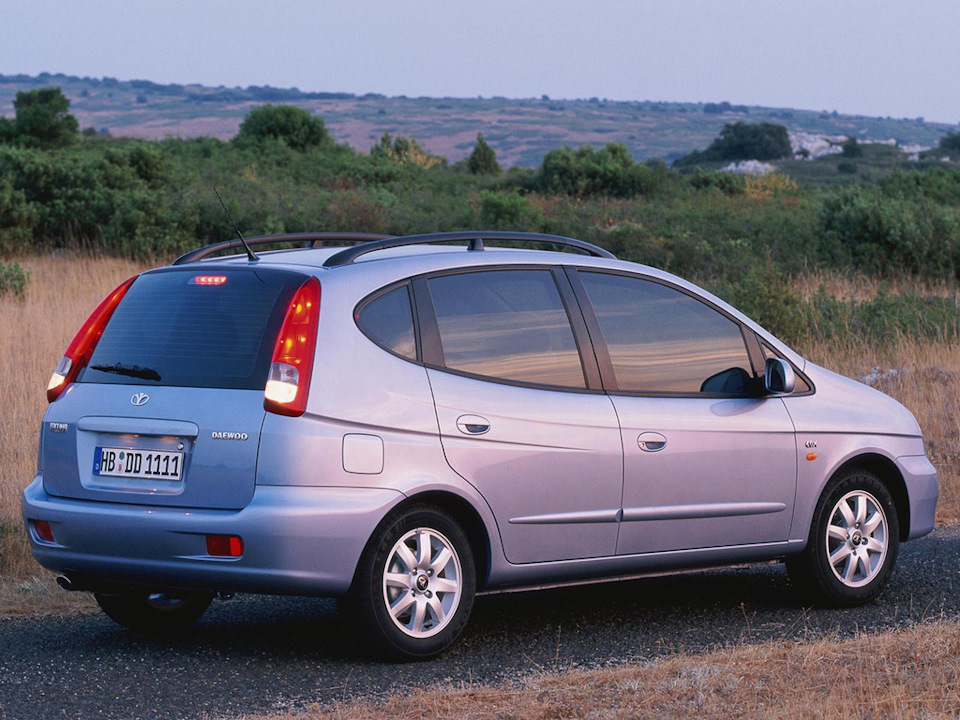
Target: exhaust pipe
(78, 583)
(67, 584)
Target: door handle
(473, 424)
(651, 442)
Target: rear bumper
(297, 540)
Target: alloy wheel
(857, 538)
(422, 582)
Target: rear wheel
(148, 611)
(416, 582)
(853, 543)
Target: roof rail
(474, 237)
(309, 239)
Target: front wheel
(415, 586)
(147, 611)
(853, 543)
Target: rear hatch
(169, 408)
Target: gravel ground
(256, 654)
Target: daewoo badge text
(228, 435)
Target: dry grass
(911, 673)
(39, 595)
(62, 292)
(863, 288)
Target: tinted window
(388, 321)
(664, 341)
(508, 324)
(206, 333)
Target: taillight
(81, 347)
(292, 365)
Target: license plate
(124, 462)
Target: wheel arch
(468, 518)
(890, 475)
(461, 510)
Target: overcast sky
(872, 58)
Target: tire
(154, 612)
(853, 542)
(415, 584)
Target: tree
(852, 149)
(8, 130)
(752, 141)
(42, 118)
(289, 124)
(744, 141)
(404, 151)
(950, 144)
(483, 159)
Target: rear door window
(195, 329)
(507, 324)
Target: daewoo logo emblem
(139, 399)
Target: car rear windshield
(196, 328)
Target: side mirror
(778, 377)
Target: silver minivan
(409, 421)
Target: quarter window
(388, 321)
(508, 324)
(661, 340)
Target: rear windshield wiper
(133, 371)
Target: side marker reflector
(224, 545)
(44, 531)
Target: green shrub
(13, 279)
(405, 151)
(109, 199)
(891, 235)
(608, 171)
(507, 211)
(725, 182)
(937, 184)
(17, 218)
(291, 125)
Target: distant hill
(520, 130)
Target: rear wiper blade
(133, 371)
